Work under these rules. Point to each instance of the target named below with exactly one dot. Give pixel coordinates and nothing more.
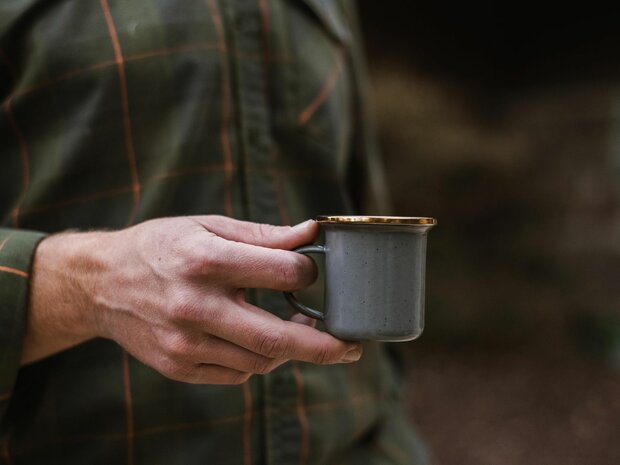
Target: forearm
(61, 310)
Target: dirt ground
(515, 409)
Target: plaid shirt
(117, 111)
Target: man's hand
(171, 292)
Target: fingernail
(352, 355)
(303, 225)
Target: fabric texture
(115, 112)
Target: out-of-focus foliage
(510, 135)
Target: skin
(171, 292)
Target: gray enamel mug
(374, 277)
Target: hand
(171, 292)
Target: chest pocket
(318, 79)
(329, 13)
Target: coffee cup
(374, 277)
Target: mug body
(374, 281)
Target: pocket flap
(329, 13)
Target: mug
(374, 277)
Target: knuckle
(190, 264)
(172, 369)
(182, 307)
(212, 263)
(189, 260)
(177, 346)
(291, 272)
(272, 343)
(197, 261)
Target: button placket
(282, 433)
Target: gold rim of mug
(404, 220)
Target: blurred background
(503, 121)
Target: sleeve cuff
(16, 253)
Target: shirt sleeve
(16, 252)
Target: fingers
(264, 235)
(251, 255)
(207, 374)
(211, 360)
(215, 374)
(204, 349)
(240, 340)
(267, 335)
(248, 266)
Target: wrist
(66, 273)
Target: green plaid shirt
(117, 111)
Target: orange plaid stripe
(326, 89)
(63, 77)
(128, 407)
(182, 49)
(225, 115)
(8, 269)
(23, 153)
(319, 407)
(247, 423)
(131, 156)
(301, 414)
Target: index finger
(250, 266)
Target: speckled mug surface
(374, 277)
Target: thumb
(263, 235)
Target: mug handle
(296, 304)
